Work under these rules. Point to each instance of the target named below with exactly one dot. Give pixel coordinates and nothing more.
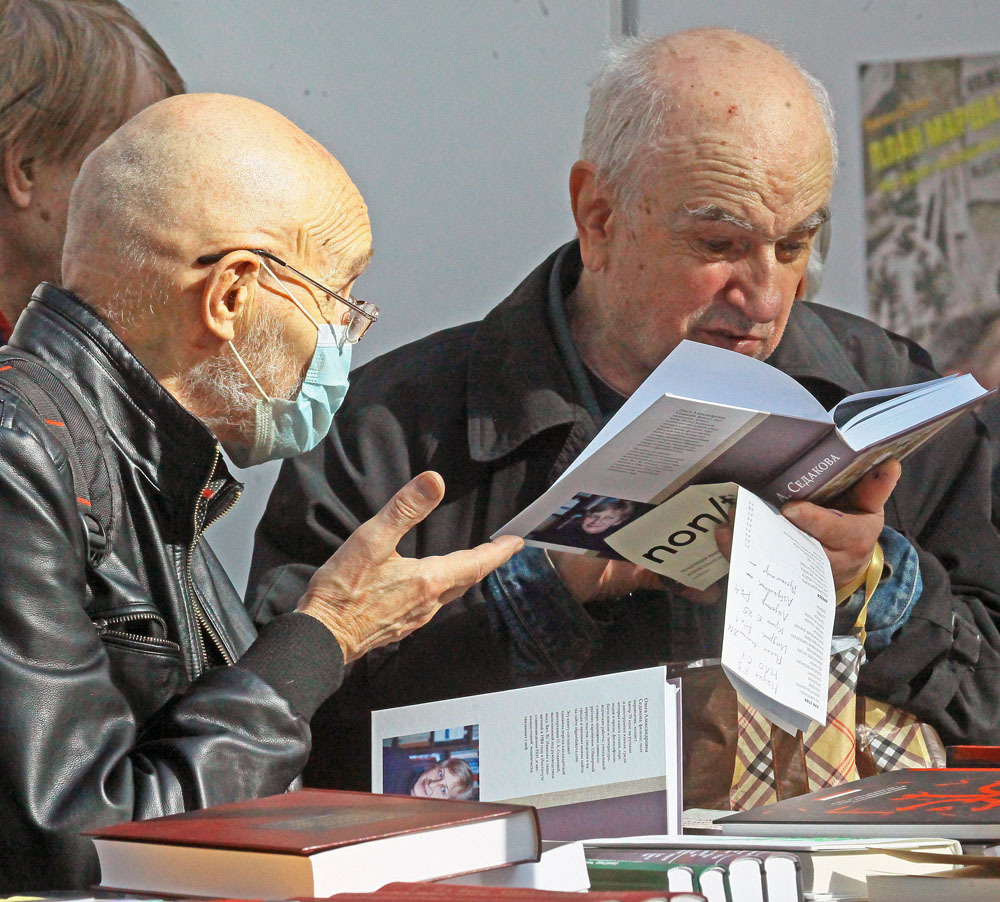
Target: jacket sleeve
(74, 756)
(942, 665)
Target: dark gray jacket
(492, 406)
(112, 702)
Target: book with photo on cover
(956, 804)
(598, 756)
(713, 417)
(312, 842)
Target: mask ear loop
(246, 370)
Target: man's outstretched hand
(367, 595)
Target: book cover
(599, 755)
(312, 842)
(957, 804)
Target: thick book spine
(811, 472)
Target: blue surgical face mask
(286, 428)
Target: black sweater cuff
(300, 658)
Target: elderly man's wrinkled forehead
(740, 120)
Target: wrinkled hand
(591, 578)
(847, 531)
(367, 595)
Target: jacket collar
(519, 385)
(172, 448)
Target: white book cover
(594, 755)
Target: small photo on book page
(677, 538)
(586, 522)
(779, 617)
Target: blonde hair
(68, 70)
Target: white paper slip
(779, 617)
(677, 538)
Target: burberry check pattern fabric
(828, 749)
(754, 780)
(894, 738)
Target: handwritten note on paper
(779, 617)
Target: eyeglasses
(361, 315)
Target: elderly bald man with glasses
(132, 683)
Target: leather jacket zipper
(105, 629)
(205, 627)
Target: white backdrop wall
(459, 122)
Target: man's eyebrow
(353, 266)
(715, 213)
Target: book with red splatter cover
(312, 842)
(951, 803)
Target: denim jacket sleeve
(551, 635)
(892, 601)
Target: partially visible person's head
(71, 72)
(211, 175)
(706, 169)
(452, 779)
(607, 514)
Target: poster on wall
(931, 146)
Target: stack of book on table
(312, 843)
(432, 892)
(961, 804)
(767, 869)
(893, 837)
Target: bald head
(200, 173)
(706, 84)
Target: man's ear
(229, 291)
(18, 175)
(593, 210)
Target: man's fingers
(724, 539)
(402, 512)
(461, 569)
(870, 493)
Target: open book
(710, 416)
(596, 756)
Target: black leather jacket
(111, 703)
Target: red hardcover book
(313, 842)
(973, 756)
(951, 803)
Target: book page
(779, 617)
(663, 447)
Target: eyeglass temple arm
(215, 258)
